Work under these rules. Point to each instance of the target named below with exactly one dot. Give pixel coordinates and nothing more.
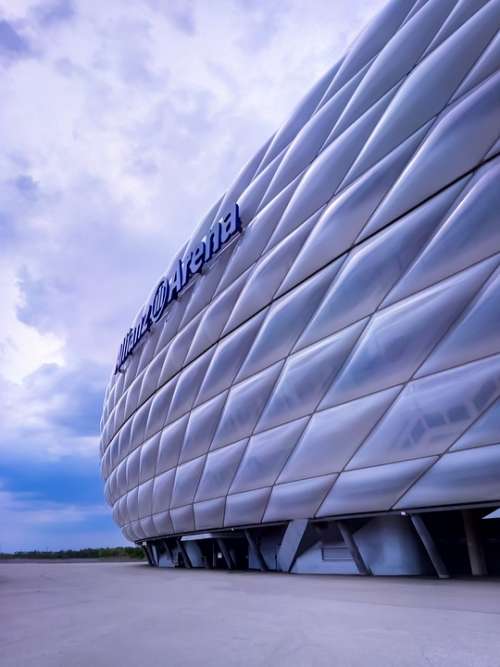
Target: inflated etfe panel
(328, 342)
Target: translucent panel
(206, 222)
(132, 504)
(187, 387)
(178, 349)
(205, 285)
(130, 372)
(488, 64)
(162, 491)
(150, 378)
(459, 477)
(494, 150)
(219, 471)
(297, 500)
(244, 406)
(139, 420)
(123, 511)
(451, 248)
(251, 244)
(327, 172)
(246, 508)
(397, 58)
(133, 467)
(285, 321)
(182, 519)
(146, 348)
(332, 436)
(160, 406)
(132, 398)
(262, 283)
(266, 455)
(169, 325)
(136, 531)
(149, 456)
(209, 514)
(372, 489)
(186, 481)
(474, 336)
(428, 87)
(347, 213)
(170, 444)
(245, 176)
(116, 514)
(374, 267)
(309, 140)
(148, 527)
(119, 412)
(163, 523)
(201, 428)
(125, 440)
(464, 10)
(431, 414)
(473, 122)
(299, 117)
(484, 431)
(127, 534)
(251, 199)
(215, 317)
(306, 376)
(228, 357)
(121, 477)
(144, 498)
(399, 338)
(374, 38)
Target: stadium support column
(185, 555)
(146, 547)
(254, 547)
(474, 547)
(429, 546)
(225, 553)
(353, 548)
(290, 543)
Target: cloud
(32, 523)
(120, 125)
(52, 414)
(12, 44)
(51, 13)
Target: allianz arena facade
(314, 385)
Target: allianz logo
(169, 289)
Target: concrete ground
(113, 614)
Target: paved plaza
(91, 614)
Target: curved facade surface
(340, 355)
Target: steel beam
(290, 544)
(429, 546)
(225, 553)
(474, 547)
(254, 548)
(348, 538)
(145, 548)
(182, 549)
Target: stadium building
(314, 384)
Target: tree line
(135, 553)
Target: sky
(121, 123)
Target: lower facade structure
(314, 384)
(439, 543)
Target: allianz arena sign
(169, 289)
